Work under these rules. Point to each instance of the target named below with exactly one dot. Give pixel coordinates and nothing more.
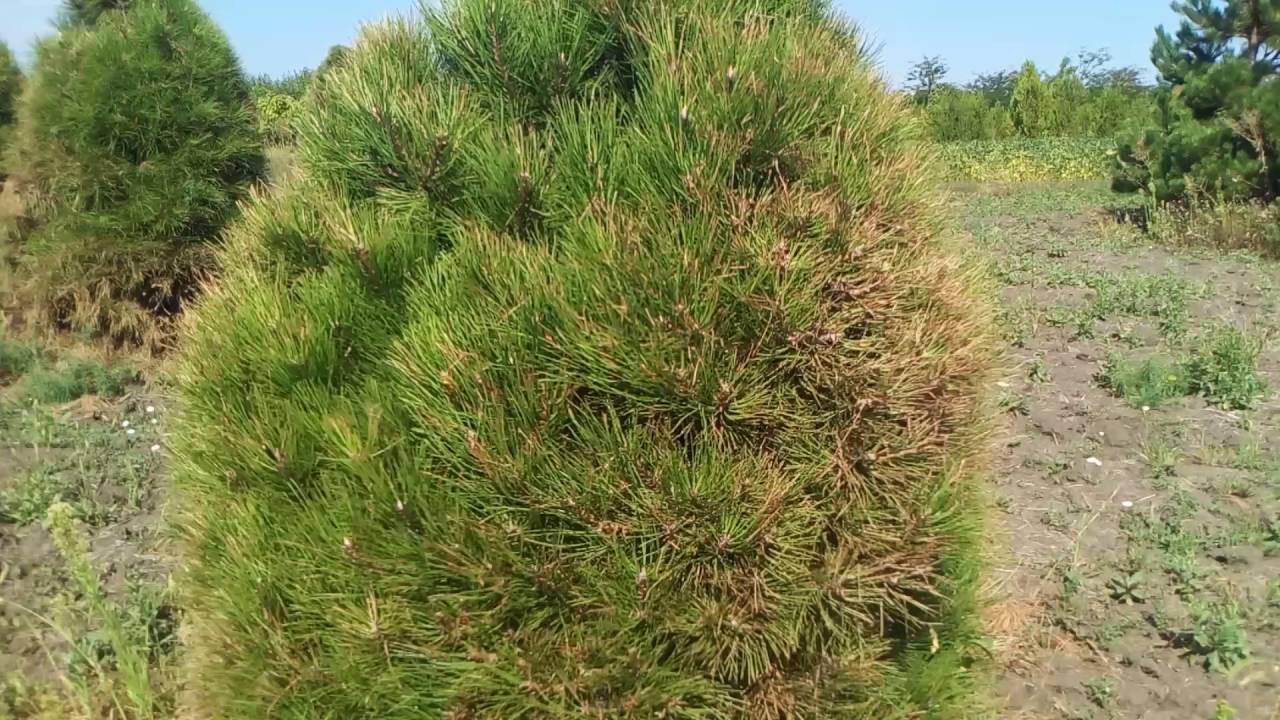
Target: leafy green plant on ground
(1218, 634)
(73, 377)
(530, 397)
(115, 666)
(1223, 369)
(1147, 383)
(1162, 296)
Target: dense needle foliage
(609, 360)
(10, 85)
(1217, 130)
(135, 140)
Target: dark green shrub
(10, 85)
(607, 361)
(136, 138)
(1217, 129)
(335, 57)
(17, 356)
(962, 115)
(1031, 109)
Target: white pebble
(1094, 461)
(1146, 408)
(154, 421)
(150, 409)
(1126, 504)
(131, 431)
(155, 448)
(124, 423)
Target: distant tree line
(1086, 97)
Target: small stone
(1126, 504)
(155, 448)
(150, 409)
(124, 423)
(1094, 461)
(130, 431)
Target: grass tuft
(1223, 369)
(1148, 383)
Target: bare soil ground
(55, 659)
(1138, 575)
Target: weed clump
(1223, 369)
(135, 140)
(605, 361)
(1146, 384)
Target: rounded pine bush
(136, 139)
(608, 360)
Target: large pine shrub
(610, 360)
(1217, 126)
(136, 138)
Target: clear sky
(278, 36)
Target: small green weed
(72, 378)
(22, 700)
(1219, 635)
(1038, 372)
(1145, 384)
(1100, 690)
(35, 491)
(1223, 369)
(1161, 456)
(1127, 588)
(117, 657)
(1224, 711)
(1164, 297)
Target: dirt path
(1141, 572)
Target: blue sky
(278, 36)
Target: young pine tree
(1031, 107)
(136, 139)
(603, 363)
(1218, 125)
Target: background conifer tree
(1218, 128)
